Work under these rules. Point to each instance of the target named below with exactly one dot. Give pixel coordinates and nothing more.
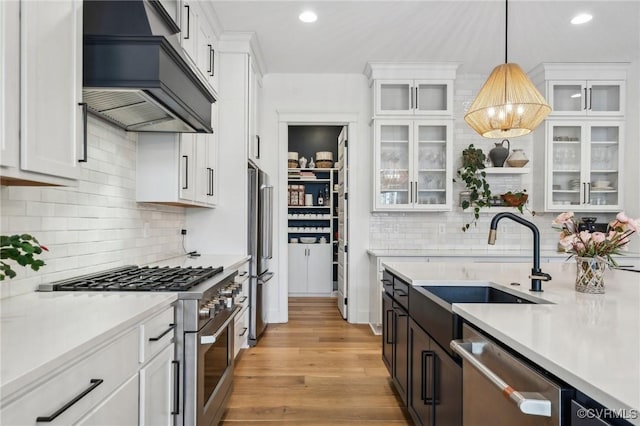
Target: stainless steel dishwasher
(502, 390)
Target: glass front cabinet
(413, 165)
(592, 98)
(584, 161)
(413, 97)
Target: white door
(343, 223)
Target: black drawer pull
(176, 410)
(242, 299)
(400, 293)
(244, 331)
(94, 384)
(155, 339)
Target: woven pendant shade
(508, 105)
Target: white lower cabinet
(121, 408)
(310, 269)
(157, 389)
(111, 384)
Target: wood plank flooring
(316, 369)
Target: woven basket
(292, 164)
(324, 164)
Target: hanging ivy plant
(474, 178)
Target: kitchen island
(592, 342)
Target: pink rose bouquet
(596, 244)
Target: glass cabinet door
(603, 179)
(567, 189)
(431, 165)
(394, 186)
(394, 96)
(432, 97)
(568, 97)
(605, 98)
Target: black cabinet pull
(211, 179)
(589, 192)
(410, 97)
(388, 342)
(400, 293)
(155, 339)
(590, 98)
(585, 98)
(212, 60)
(417, 104)
(176, 411)
(94, 384)
(242, 299)
(188, 22)
(85, 112)
(209, 70)
(244, 331)
(257, 146)
(584, 193)
(186, 171)
(425, 377)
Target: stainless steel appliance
(259, 246)
(204, 325)
(503, 390)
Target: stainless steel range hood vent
(134, 73)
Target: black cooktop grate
(135, 278)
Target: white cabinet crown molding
(410, 70)
(243, 42)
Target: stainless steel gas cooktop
(136, 278)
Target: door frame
(286, 119)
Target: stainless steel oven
(211, 375)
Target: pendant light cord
(506, 26)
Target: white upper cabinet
(413, 165)
(583, 89)
(593, 98)
(584, 165)
(253, 141)
(51, 126)
(199, 42)
(413, 97)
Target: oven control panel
(223, 298)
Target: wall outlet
(442, 228)
(183, 232)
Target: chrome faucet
(537, 276)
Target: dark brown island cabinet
(427, 377)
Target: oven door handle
(211, 339)
(528, 402)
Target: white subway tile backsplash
(98, 224)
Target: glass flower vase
(590, 275)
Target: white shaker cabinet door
(319, 270)
(157, 390)
(51, 83)
(121, 408)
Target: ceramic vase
(499, 153)
(590, 275)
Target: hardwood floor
(316, 369)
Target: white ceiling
(350, 33)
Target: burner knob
(204, 312)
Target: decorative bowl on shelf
(308, 240)
(514, 200)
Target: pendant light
(508, 105)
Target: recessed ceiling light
(581, 18)
(308, 16)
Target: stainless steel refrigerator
(259, 246)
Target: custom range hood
(134, 72)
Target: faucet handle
(542, 276)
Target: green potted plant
(474, 178)
(21, 249)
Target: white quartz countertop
(591, 341)
(40, 332)
(489, 252)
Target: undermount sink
(473, 294)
